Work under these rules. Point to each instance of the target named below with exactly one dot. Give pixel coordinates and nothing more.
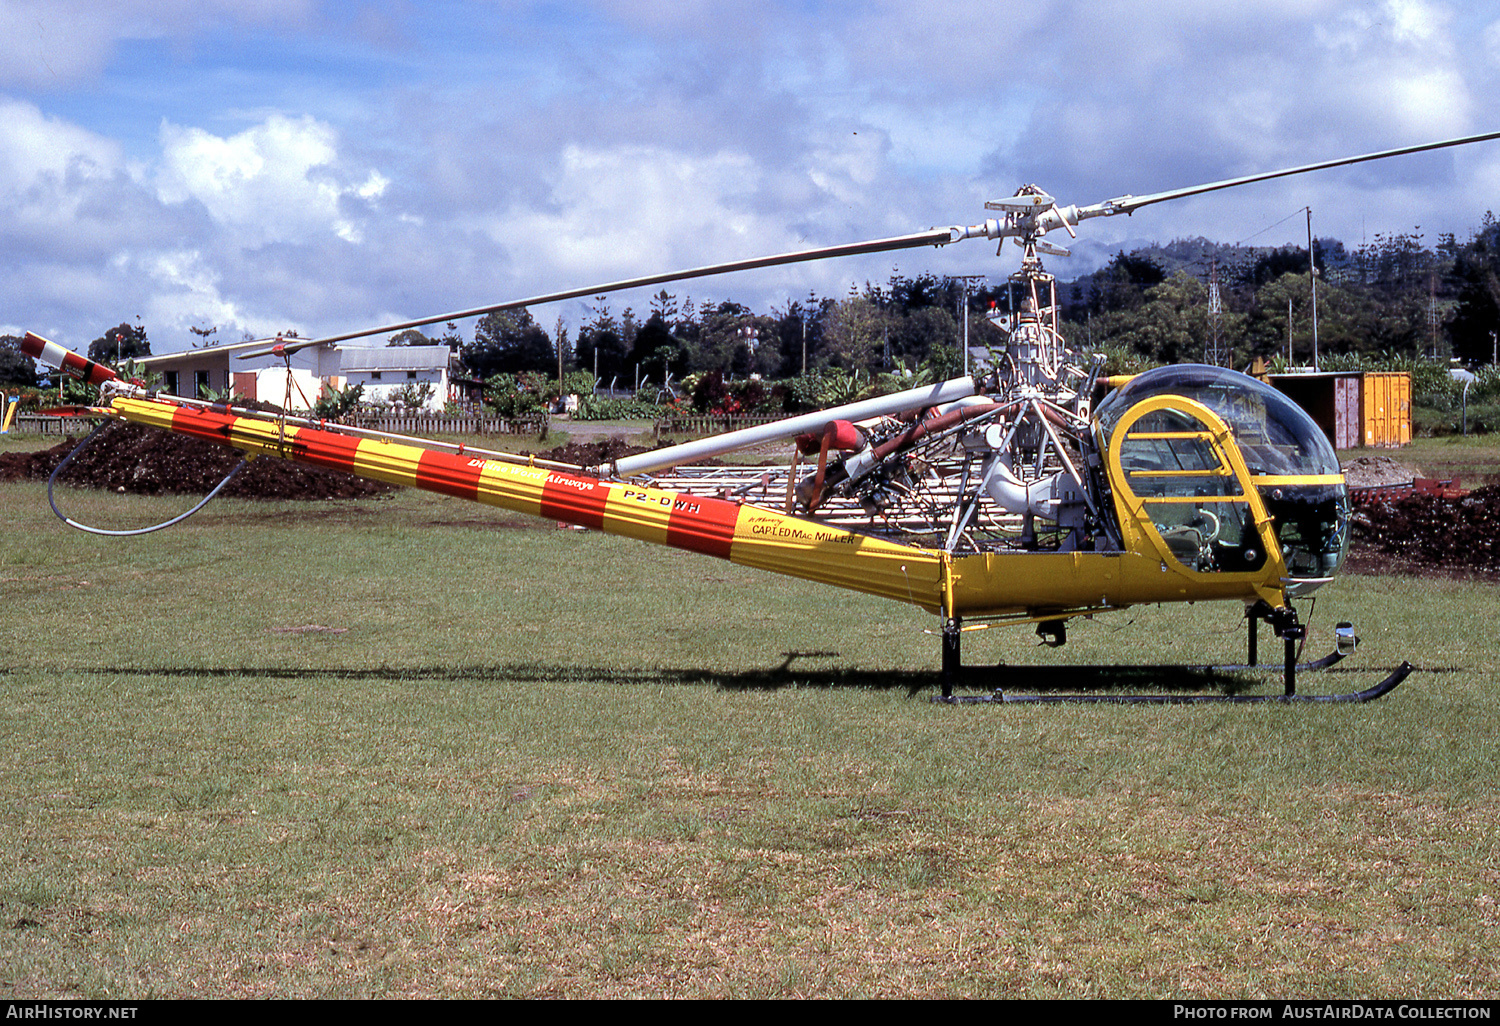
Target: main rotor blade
(1127, 204)
(931, 237)
(260, 344)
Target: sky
(258, 166)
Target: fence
(443, 424)
(706, 423)
(31, 424)
(440, 424)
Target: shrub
(513, 398)
(414, 395)
(592, 407)
(336, 404)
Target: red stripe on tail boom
(576, 500)
(205, 424)
(326, 449)
(703, 525)
(449, 474)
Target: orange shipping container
(1386, 408)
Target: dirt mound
(1375, 471)
(144, 461)
(1430, 531)
(592, 454)
(33, 466)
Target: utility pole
(806, 312)
(1312, 277)
(965, 315)
(1433, 320)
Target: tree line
(903, 322)
(1394, 296)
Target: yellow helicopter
(1005, 497)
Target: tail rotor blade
(66, 360)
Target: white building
(387, 371)
(384, 373)
(218, 369)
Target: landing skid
(1000, 697)
(1179, 677)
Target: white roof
(392, 358)
(215, 356)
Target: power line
(1263, 231)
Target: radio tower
(1215, 353)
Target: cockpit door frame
(1137, 524)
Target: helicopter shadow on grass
(793, 672)
(764, 679)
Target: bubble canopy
(1276, 436)
(1300, 479)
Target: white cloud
(279, 181)
(1490, 39)
(619, 210)
(1394, 67)
(48, 44)
(87, 234)
(1417, 22)
(632, 210)
(186, 292)
(66, 193)
(40, 152)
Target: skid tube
(1284, 621)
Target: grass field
(1475, 460)
(412, 747)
